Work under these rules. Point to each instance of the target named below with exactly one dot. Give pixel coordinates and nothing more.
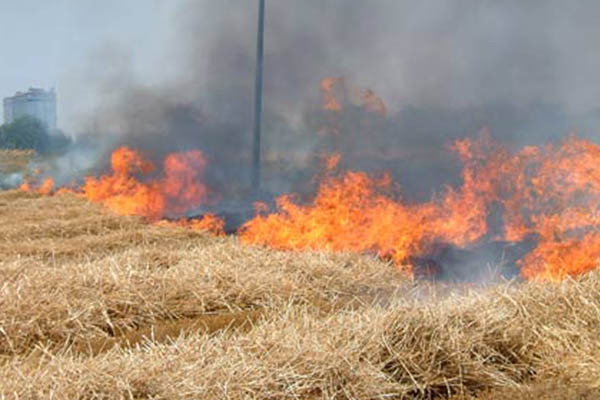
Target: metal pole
(258, 101)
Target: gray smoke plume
(444, 68)
(527, 70)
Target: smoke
(444, 68)
(11, 180)
(436, 53)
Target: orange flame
(122, 192)
(209, 223)
(332, 162)
(555, 195)
(355, 212)
(552, 193)
(25, 186)
(348, 214)
(371, 102)
(175, 192)
(328, 88)
(336, 92)
(133, 187)
(549, 193)
(45, 188)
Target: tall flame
(134, 187)
(177, 190)
(336, 92)
(551, 193)
(356, 212)
(328, 89)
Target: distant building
(36, 103)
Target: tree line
(27, 133)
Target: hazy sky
(47, 43)
(435, 52)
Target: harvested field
(94, 305)
(15, 160)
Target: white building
(36, 103)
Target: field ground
(15, 160)
(94, 305)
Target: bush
(29, 133)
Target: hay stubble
(98, 306)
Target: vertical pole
(258, 94)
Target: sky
(49, 43)
(171, 75)
(437, 52)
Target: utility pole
(258, 94)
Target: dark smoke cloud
(446, 53)
(527, 70)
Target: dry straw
(98, 306)
(15, 160)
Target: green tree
(59, 142)
(24, 133)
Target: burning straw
(321, 325)
(548, 195)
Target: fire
(181, 178)
(208, 223)
(336, 92)
(550, 193)
(135, 187)
(25, 186)
(128, 191)
(332, 162)
(328, 89)
(44, 188)
(356, 212)
(47, 186)
(547, 196)
(556, 196)
(350, 213)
